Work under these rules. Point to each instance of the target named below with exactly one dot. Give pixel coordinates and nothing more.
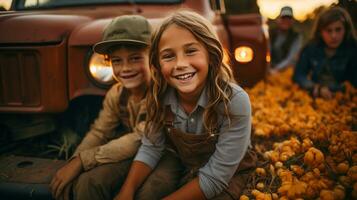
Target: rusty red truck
(48, 68)
(50, 77)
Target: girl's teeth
(184, 76)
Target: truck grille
(19, 78)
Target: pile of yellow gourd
(307, 147)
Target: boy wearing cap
(102, 160)
(285, 42)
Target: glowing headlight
(244, 54)
(100, 69)
(267, 57)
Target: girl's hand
(316, 91)
(325, 92)
(64, 176)
(190, 190)
(273, 71)
(137, 174)
(124, 195)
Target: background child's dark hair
(333, 14)
(219, 74)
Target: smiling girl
(196, 114)
(330, 57)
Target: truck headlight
(244, 54)
(100, 69)
(268, 57)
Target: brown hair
(333, 14)
(219, 74)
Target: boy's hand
(64, 176)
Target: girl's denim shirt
(314, 66)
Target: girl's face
(130, 67)
(333, 34)
(183, 59)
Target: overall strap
(123, 97)
(169, 117)
(123, 112)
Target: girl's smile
(185, 76)
(183, 60)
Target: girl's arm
(302, 69)
(351, 70)
(191, 190)
(137, 174)
(232, 144)
(146, 159)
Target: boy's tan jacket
(103, 144)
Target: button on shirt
(232, 144)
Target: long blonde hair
(219, 74)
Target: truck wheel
(82, 112)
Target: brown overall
(195, 151)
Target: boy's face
(285, 23)
(131, 67)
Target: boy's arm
(64, 176)
(292, 55)
(118, 149)
(102, 130)
(137, 174)
(83, 156)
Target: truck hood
(37, 28)
(53, 26)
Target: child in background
(285, 41)
(101, 161)
(197, 114)
(330, 57)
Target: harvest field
(307, 147)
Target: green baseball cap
(286, 11)
(126, 29)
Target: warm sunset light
(5, 4)
(271, 8)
